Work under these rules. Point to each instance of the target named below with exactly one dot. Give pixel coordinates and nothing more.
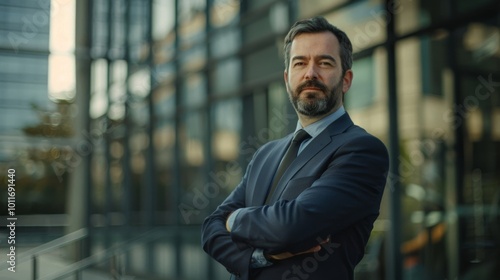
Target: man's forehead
(322, 43)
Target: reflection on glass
(164, 100)
(227, 127)
(364, 22)
(416, 14)
(62, 77)
(193, 59)
(164, 140)
(192, 22)
(228, 159)
(163, 18)
(480, 47)
(224, 12)
(164, 144)
(140, 82)
(225, 43)
(307, 9)
(362, 91)
(192, 140)
(281, 118)
(98, 169)
(366, 100)
(227, 76)
(194, 90)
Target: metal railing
(33, 254)
(111, 253)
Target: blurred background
(128, 121)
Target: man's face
(314, 78)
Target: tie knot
(300, 136)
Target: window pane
(362, 91)
(226, 170)
(193, 179)
(226, 137)
(164, 144)
(224, 12)
(227, 76)
(364, 22)
(307, 9)
(194, 90)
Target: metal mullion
(86, 245)
(127, 179)
(108, 206)
(208, 122)
(393, 259)
(177, 178)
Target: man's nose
(311, 72)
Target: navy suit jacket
(333, 189)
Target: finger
(313, 249)
(326, 240)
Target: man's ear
(347, 81)
(285, 77)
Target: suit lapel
(317, 144)
(269, 167)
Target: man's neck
(307, 120)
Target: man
(312, 218)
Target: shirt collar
(316, 128)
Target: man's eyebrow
(327, 56)
(322, 56)
(298, 57)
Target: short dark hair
(317, 25)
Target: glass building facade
(138, 121)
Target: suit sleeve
(348, 191)
(216, 240)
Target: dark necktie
(288, 158)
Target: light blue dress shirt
(316, 128)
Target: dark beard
(318, 106)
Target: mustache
(312, 83)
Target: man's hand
(228, 227)
(230, 221)
(286, 255)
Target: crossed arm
(349, 190)
(259, 254)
